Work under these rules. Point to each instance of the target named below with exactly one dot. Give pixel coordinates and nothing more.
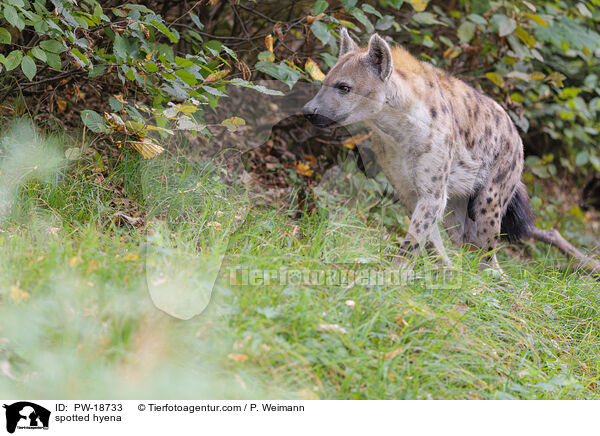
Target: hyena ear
(347, 44)
(380, 57)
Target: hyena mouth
(321, 120)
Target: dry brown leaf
(355, 140)
(237, 357)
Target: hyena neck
(402, 109)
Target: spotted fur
(452, 154)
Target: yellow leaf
(313, 70)
(18, 294)
(348, 24)
(233, 123)
(135, 128)
(539, 20)
(269, 42)
(62, 105)
(188, 109)
(525, 37)
(237, 357)
(537, 75)
(419, 5)
(496, 78)
(556, 79)
(452, 52)
(218, 75)
(312, 161)
(131, 256)
(146, 147)
(304, 169)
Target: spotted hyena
(452, 154)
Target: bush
(539, 59)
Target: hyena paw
(402, 263)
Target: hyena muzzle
(452, 154)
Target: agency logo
(26, 415)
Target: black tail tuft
(518, 218)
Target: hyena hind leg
(487, 208)
(460, 227)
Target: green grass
(77, 320)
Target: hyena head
(355, 88)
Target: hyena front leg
(423, 224)
(438, 245)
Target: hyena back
(452, 154)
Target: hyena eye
(343, 88)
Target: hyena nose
(310, 113)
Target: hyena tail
(518, 223)
(518, 219)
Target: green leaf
(197, 21)
(384, 23)
(182, 62)
(281, 72)
(426, 18)
(582, 158)
(187, 77)
(120, 47)
(53, 60)
(319, 29)
(320, 7)
(13, 18)
(5, 37)
(28, 67)
(503, 25)
(396, 4)
(13, 60)
(53, 46)
(371, 10)
(477, 19)
(151, 67)
(17, 3)
(168, 33)
(260, 88)
(466, 31)
(79, 57)
(94, 121)
(97, 70)
(213, 91)
(362, 18)
(38, 53)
